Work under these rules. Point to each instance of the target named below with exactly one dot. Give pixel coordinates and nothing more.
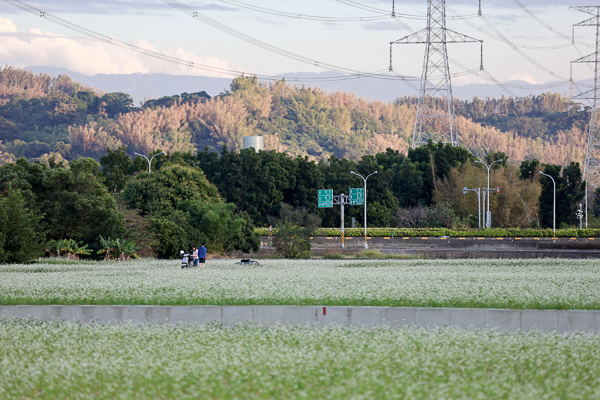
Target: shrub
(415, 232)
(293, 231)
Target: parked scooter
(187, 260)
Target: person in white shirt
(195, 255)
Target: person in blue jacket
(202, 254)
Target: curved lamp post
(553, 206)
(365, 181)
(149, 160)
(488, 222)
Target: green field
(72, 361)
(516, 284)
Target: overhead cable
(277, 50)
(175, 60)
(550, 27)
(401, 15)
(523, 46)
(307, 17)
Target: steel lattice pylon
(591, 165)
(435, 117)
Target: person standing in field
(202, 254)
(195, 256)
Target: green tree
(116, 103)
(528, 168)
(493, 156)
(435, 161)
(160, 191)
(254, 181)
(570, 190)
(381, 202)
(408, 185)
(74, 201)
(196, 222)
(308, 179)
(21, 238)
(571, 194)
(171, 235)
(220, 227)
(117, 167)
(547, 196)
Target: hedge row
(495, 232)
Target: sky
(28, 39)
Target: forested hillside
(43, 116)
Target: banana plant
(67, 248)
(118, 249)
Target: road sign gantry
(326, 199)
(357, 197)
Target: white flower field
(77, 361)
(520, 284)
(67, 360)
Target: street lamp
(149, 160)
(365, 181)
(465, 190)
(553, 207)
(488, 220)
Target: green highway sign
(326, 198)
(356, 197)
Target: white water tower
(253, 141)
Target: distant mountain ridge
(44, 116)
(149, 86)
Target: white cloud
(6, 25)
(523, 77)
(90, 57)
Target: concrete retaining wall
(498, 254)
(461, 243)
(563, 321)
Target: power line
(304, 16)
(501, 37)
(523, 46)
(515, 48)
(180, 61)
(574, 42)
(282, 52)
(401, 15)
(549, 27)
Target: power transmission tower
(435, 118)
(591, 165)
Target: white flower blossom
(521, 284)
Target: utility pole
(591, 165)
(435, 117)
(342, 202)
(488, 218)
